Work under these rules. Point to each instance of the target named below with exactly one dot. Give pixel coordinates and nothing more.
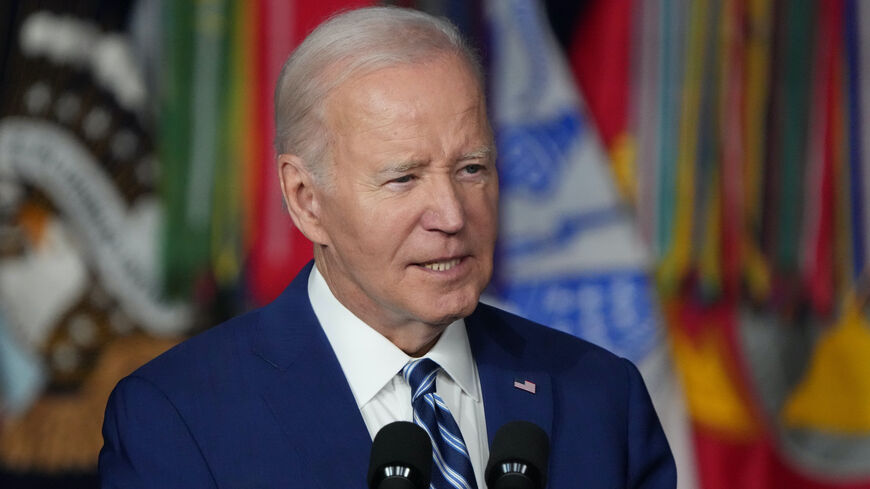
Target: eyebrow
(406, 166)
(402, 167)
(478, 153)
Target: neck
(414, 347)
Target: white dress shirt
(372, 366)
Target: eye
(402, 182)
(472, 169)
(403, 179)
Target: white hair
(353, 43)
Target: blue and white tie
(452, 465)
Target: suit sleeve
(650, 462)
(147, 444)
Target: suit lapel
(499, 352)
(310, 397)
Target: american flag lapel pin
(525, 385)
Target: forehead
(440, 94)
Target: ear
(301, 197)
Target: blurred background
(685, 182)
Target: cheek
(385, 228)
(350, 226)
(483, 210)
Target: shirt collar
(369, 360)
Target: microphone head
(401, 457)
(519, 457)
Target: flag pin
(525, 385)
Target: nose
(444, 210)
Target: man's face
(411, 216)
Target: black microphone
(518, 459)
(401, 458)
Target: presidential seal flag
(79, 237)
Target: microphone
(518, 459)
(401, 458)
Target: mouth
(441, 265)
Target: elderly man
(387, 164)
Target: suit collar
(287, 325)
(369, 360)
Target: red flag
(819, 210)
(278, 250)
(753, 464)
(600, 54)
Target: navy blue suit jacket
(261, 402)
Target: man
(387, 164)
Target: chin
(442, 321)
(451, 312)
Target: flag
(770, 363)
(81, 217)
(277, 249)
(568, 254)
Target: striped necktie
(449, 454)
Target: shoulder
(163, 422)
(544, 347)
(588, 382)
(212, 354)
(584, 374)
